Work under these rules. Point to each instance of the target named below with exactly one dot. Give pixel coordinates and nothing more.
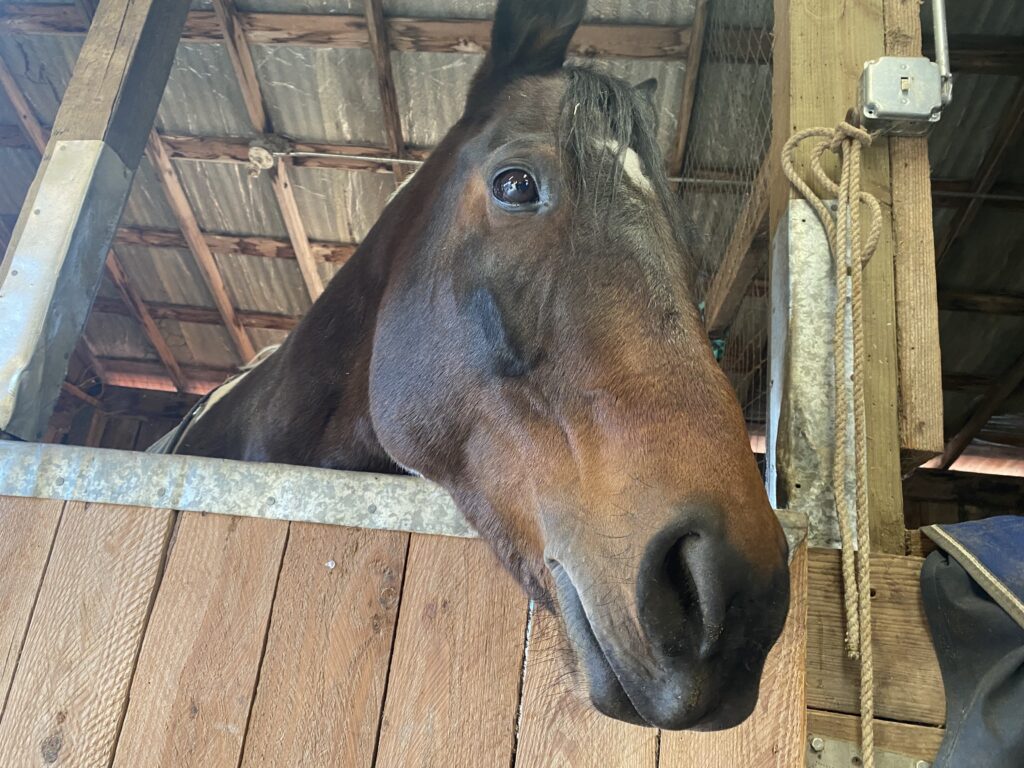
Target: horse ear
(529, 37)
(647, 89)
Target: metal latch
(905, 95)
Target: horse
(519, 327)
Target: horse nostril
(682, 595)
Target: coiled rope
(850, 254)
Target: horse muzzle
(686, 650)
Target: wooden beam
(919, 363)
(245, 73)
(133, 299)
(187, 313)
(965, 382)
(68, 220)
(690, 76)
(819, 53)
(178, 202)
(39, 136)
(149, 374)
(296, 229)
(992, 492)
(996, 395)
(233, 31)
(987, 303)
(79, 394)
(30, 126)
(953, 193)
(247, 245)
(1008, 133)
(982, 54)
(380, 44)
(632, 41)
(741, 260)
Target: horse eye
(515, 187)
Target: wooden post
(61, 240)
(917, 312)
(820, 49)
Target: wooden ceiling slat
(377, 32)
(996, 395)
(180, 206)
(234, 38)
(132, 298)
(635, 41)
(700, 21)
(187, 313)
(246, 245)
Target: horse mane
(600, 118)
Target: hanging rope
(843, 229)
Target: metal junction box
(901, 95)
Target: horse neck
(308, 403)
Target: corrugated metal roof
(321, 94)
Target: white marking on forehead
(631, 165)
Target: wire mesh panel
(724, 188)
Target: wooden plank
(454, 685)
(296, 229)
(97, 426)
(79, 394)
(982, 54)
(774, 735)
(632, 41)
(120, 433)
(197, 671)
(133, 299)
(558, 725)
(27, 530)
(34, 132)
(917, 316)
(120, 75)
(818, 56)
(245, 73)
(39, 137)
(992, 165)
(377, 29)
(321, 686)
(241, 61)
(989, 405)
(1001, 492)
(80, 188)
(71, 687)
(186, 313)
(951, 193)
(247, 245)
(919, 741)
(179, 204)
(988, 303)
(908, 684)
(146, 374)
(700, 21)
(741, 260)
